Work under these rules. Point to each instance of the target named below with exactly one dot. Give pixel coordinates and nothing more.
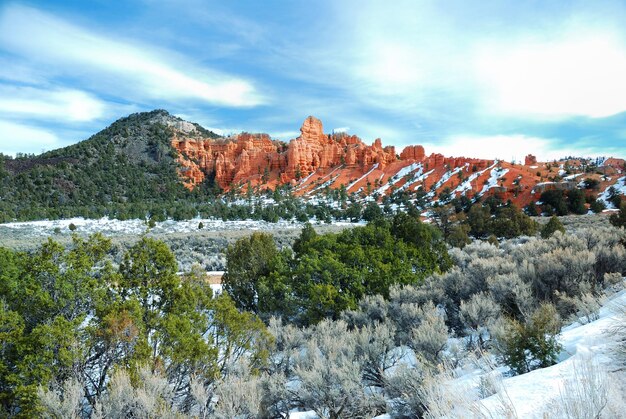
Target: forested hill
(127, 170)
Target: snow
(398, 176)
(418, 177)
(492, 182)
(446, 176)
(216, 288)
(531, 393)
(619, 186)
(374, 167)
(302, 183)
(323, 185)
(303, 415)
(467, 184)
(406, 170)
(572, 177)
(109, 226)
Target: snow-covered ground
(111, 227)
(531, 393)
(398, 176)
(323, 185)
(496, 174)
(374, 167)
(446, 177)
(417, 177)
(572, 177)
(620, 188)
(467, 184)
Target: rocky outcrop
(314, 150)
(315, 159)
(231, 160)
(530, 160)
(255, 157)
(415, 152)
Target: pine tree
(619, 219)
(553, 225)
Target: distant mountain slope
(149, 164)
(125, 168)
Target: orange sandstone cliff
(253, 157)
(315, 161)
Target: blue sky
(488, 79)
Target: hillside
(126, 170)
(316, 162)
(156, 165)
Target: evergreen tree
(247, 262)
(551, 227)
(619, 219)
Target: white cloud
(583, 75)
(285, 135)
(503, 147)
(16, 138)
(341, 129)
(130, 67)
(70, 105)
(437, 60)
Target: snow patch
(467, 184)
(619, 187)
(398, 176)
(572, 177)
(446, 176)
(531, 393)
(374, 167)
(492, 182)
(109, 226)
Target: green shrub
(597, 206)
(532, 344)
(619, 219)
(553, 225)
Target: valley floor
(190, 244)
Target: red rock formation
(246, 157)
(415, 152)
(340, 159)
(232, 160)
(314, 150)
(530, 160)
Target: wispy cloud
(540, 78)
(578, 74)
(133, 69)
(426, 59)
(16, 138)
(63, 104)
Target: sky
(489, 79)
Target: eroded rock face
(530, 160)
(231, 160)
(415, 152)
(255, 157)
